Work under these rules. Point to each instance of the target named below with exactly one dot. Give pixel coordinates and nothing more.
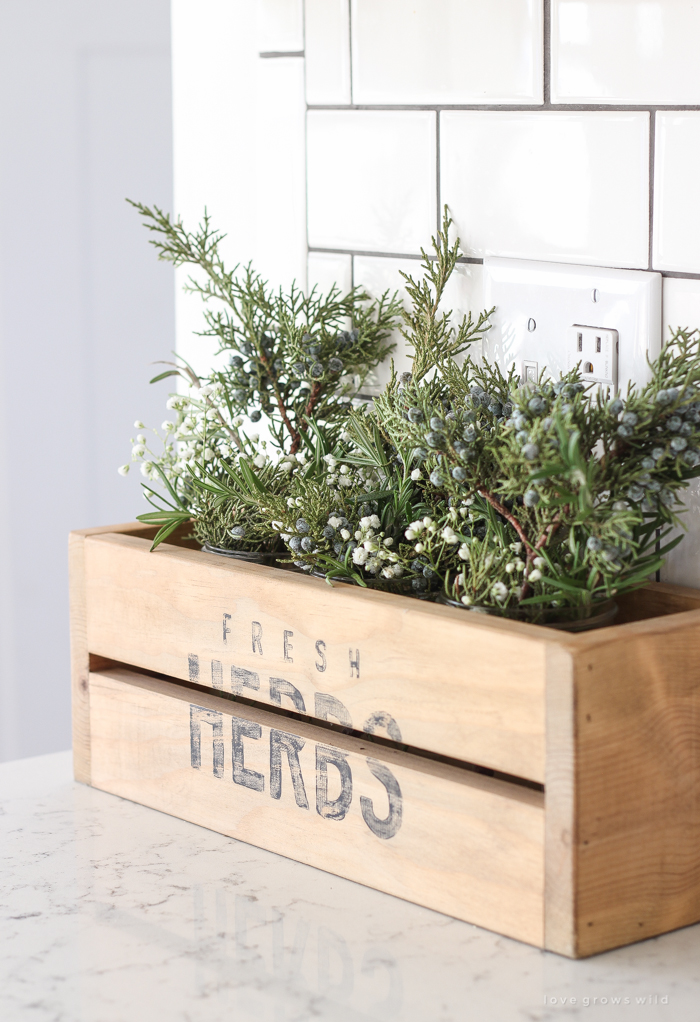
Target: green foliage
(547, 495)
(291, 354)
(296, 361)
(427, 328)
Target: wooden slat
(656, 600)
(637, 782)
(455, 841)
(463, 685)
(80, 659)
(560, 803)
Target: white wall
(85, 120)
(566, 130)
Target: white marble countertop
(111, 912)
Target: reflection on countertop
(112, 912)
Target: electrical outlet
(596, 350)
(539, 304)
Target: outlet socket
(537, 304)
(596, 349)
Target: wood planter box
(537, 783)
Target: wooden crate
(541, 784)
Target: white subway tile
(257, 201)
(378, 275)
(371, 179)
(447, 51)
(214, 55)
(681, 304)
(625, 52)
(464, 294)
(464, 291)
(561, 186)
(682, 309)
(682, 565)
(280, 26)
(328, 268)
(677, 192)
(280, 188)
(327, 48)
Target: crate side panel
(433, 836)
(80, 661)
(440, 679)
(560, 804)
(657, 599)
(638, 784)
(79, 653)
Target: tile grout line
(437, 171)
(546, 52)
(350, 50)
(475, 260)
(384, 255)
(652, 163)
(306, 150)
(678, 274)
(626, 108)
(276, 54)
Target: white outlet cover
(537, 303)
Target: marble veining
(111, 912)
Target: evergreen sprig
(296, 362)
(427, 327)
(290, 355)
(538, 497)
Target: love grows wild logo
(642, 1000)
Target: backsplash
(563, 130)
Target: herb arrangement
(539, 501)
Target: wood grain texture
(637, 781)
(656, 600)
(609, 720)
(80, 659)
(467, 845)
(463, 685)
(560, 804)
